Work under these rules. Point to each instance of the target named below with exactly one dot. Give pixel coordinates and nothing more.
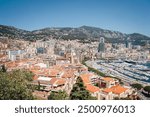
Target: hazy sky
(127, 16)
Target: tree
(79, 92)
(3, 68)
(137, 86)
(60, 95)
(146, 91)
(147, 88)
(39, 86)
(15, 85)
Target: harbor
(128, 72)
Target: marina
(139, 72)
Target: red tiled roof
(108, 79)
(60, 82)
(53, 80)
(85, 77)
(116, 89)
(92, 88)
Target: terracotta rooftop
(116, 89)
(60, 81)
(68, 74)
(53, 80)
(92, 88)
(1, 55)
(85, 77)
(108, 79)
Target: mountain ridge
(81, 33)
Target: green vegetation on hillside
(60, 95)
(79, 91)
(15, 85)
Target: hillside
(81, 33)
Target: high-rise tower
(101, 46)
